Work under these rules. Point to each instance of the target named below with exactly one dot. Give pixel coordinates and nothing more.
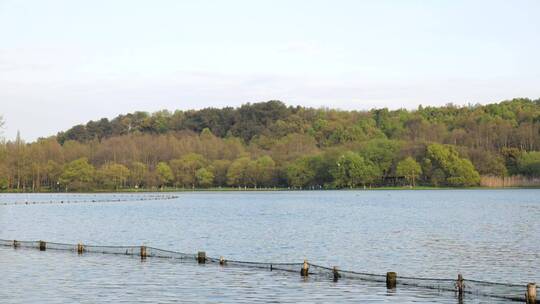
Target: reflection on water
(484, 234)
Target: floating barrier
(73, 199)
(460, 286)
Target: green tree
(164, 174)
(352, 170)
(78, 175)
(113, 175)
(458, 171)
(4, 180)
(185, 169)
(237, 173)
(219, 168)
(438, 177)
(52, 172)
(204, 177)
(511, 156)
(300, 173)
(487, 162)
(410, 169)
(382, 152)
(251, 119)
(529, 163)
(261, 171)
(462, 173)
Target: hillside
(270, 144)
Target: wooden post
(531, 293)
(201, 257)
(336, 274)
(222, 261)
(16, 244)
(305, 269)
(42, 246)
(143, 252)
(459, 284)
(391, 280)
(80, 248)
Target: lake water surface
(489, 235)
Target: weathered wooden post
(391, 280)
(460, 285)
(42, 246)
(201, 257)
(531, 293)
(305, 269)
(143, 252)
(16, 244)
(336, 274)
(222, 261)
(80, 248)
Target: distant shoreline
(235, 189)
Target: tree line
(270, 144)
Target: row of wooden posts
(391, 277)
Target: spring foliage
(270, 144)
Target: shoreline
(230, 189)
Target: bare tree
(2, 122)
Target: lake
(489, 235)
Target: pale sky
(66, 62)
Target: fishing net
(92, 198)
(513, 292)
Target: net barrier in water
(514, 292)
(96, 198)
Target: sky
(67, 62)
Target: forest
(272, 145)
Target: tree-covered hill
(270, 144)
(506, 124)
